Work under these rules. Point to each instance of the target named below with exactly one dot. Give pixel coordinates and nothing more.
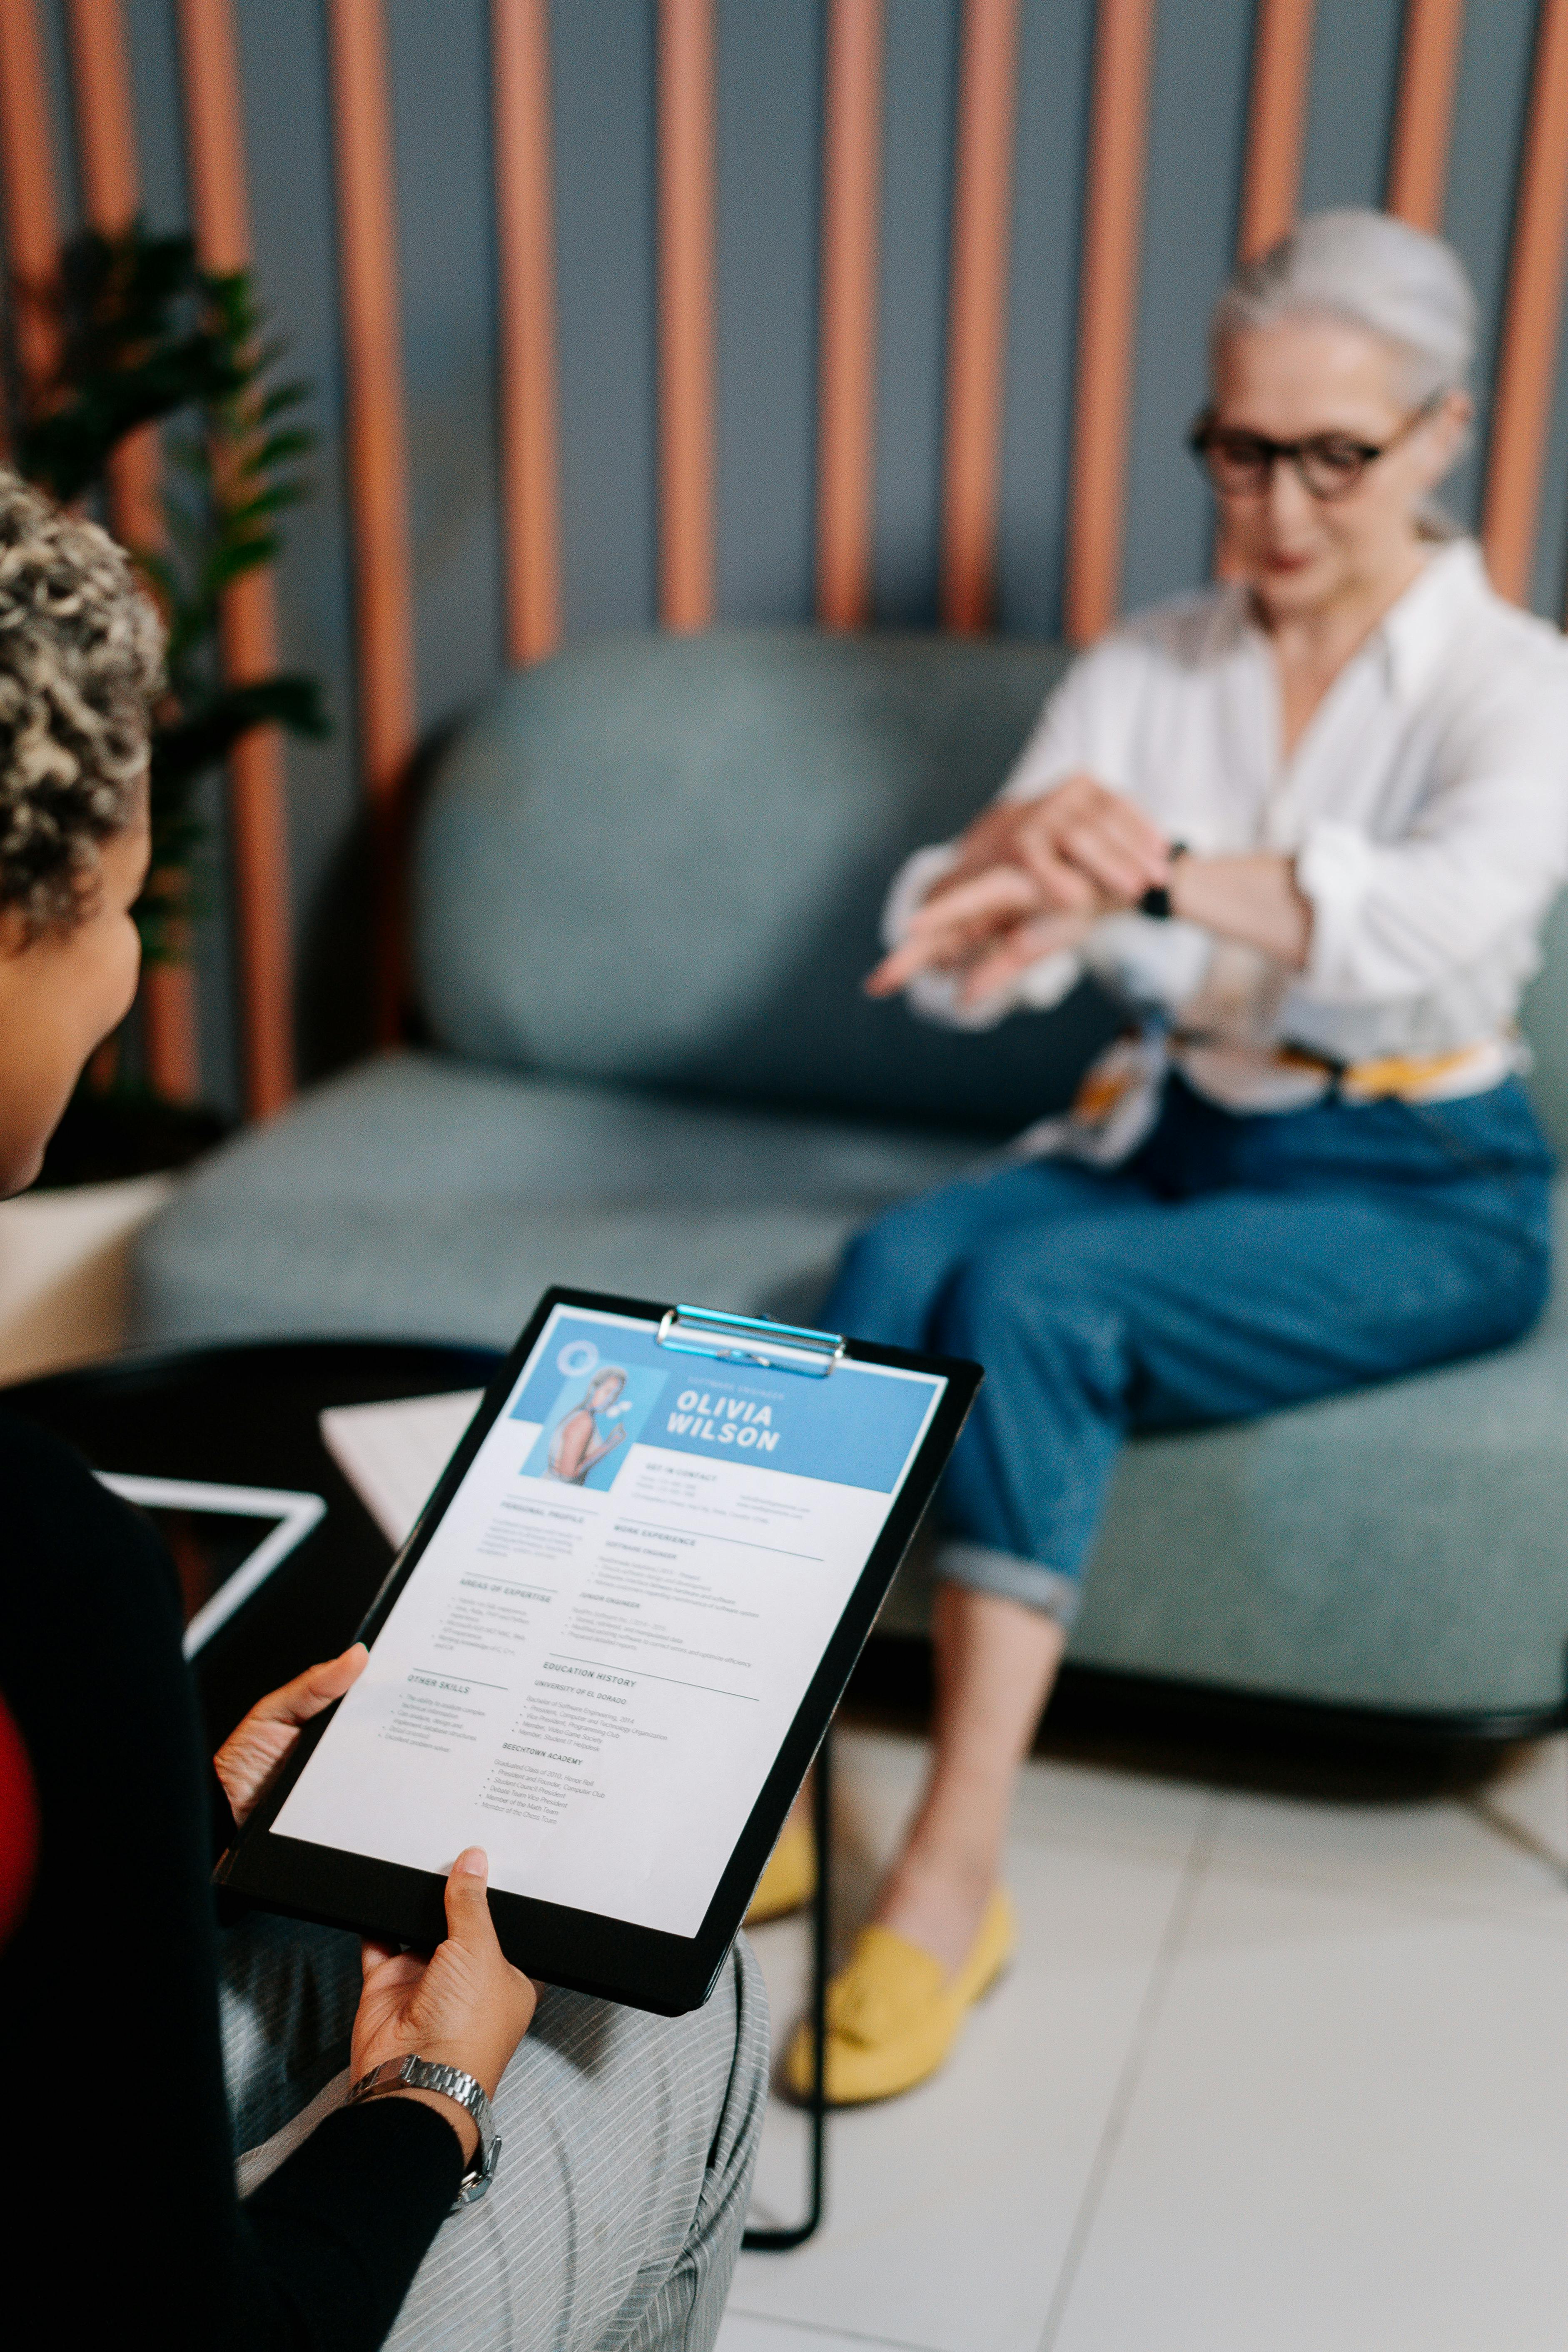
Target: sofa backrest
(1544, 1020)
(662, 860)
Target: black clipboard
(643, 1967)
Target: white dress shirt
(1426, 808)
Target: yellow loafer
(790, 1878)
(894, 2013)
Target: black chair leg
(780, 2242)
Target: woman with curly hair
(618, 2207)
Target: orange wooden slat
(1423, 110)
(852, 221)
(1107, 308)
(106, 142)
(978, 312)
(32, 213)
(111, 180)
(1277, 122)
(685, 417)
(525, 230)
(256, 771)
(1527, 364)
(170, 1035)
(377, 461)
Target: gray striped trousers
(630, 2141)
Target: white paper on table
(393, 1454)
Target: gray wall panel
(441, 112)
(1494, 70)
(294, 230)
(918, 99)
(51, 20)
(1355, 66)
(1055, 41)
(154, 57)
(1202, 67)
(603, 95)
(769, 177)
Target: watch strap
(1156, 900)
(424, 2074)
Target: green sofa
(647, 884)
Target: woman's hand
(1088, 851)
(992, 933)
(252, 1753)
(466, 2006)
(1033, 876)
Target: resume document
(594, 1663)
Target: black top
(116, 2122)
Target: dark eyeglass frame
(1206, 433)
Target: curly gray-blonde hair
(81, 657)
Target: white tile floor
(1271, 2072)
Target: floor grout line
(1517, 1833)
(821, 2327)
(1159, 1975)
(1435, 1901)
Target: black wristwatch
(1156, 900)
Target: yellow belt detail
(1100, 1092)
(1375, 1080)
(1401, 1074)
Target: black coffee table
(246, 1416)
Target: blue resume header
(595, 1388)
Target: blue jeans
(1235, 1264)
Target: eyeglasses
(1241, 465)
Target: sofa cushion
(663, 859)
(1543, 1017)
(423, 1197)
(1403, 1547)
(1407, 1545)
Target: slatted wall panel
(377, 463)
(111, 195)
(851, 208)
(525, 245)
(249, 625)
(965, 408)
(1112, 237)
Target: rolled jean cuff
(984, 1570)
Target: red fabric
(18, 1826)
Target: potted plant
(146, 336)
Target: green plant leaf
(146, 336)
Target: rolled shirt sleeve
(1479, 865)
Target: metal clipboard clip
(752, 1339)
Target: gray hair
(81, 653)
(1375, 272)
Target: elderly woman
(627, 2141)
(1307, 824)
